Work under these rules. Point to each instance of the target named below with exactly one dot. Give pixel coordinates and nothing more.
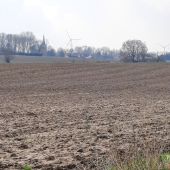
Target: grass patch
(165, 157)
(157, 162)
(27, 167)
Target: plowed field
(62, 116)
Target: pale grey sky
(97, 22)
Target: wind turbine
(70, 42)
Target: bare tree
(133, 51)
(8, 54)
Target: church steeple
(44, 40)
(43, 47)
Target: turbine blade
(76, 39)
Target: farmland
(63, 116)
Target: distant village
(26, 44)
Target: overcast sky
(97, 22)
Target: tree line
(131, 51)
(22, 44)
(27, 44)
(88, 52)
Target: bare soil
(63, 116)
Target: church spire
(44, 39)
(43, 47)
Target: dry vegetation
(72, 116)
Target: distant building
(43, 47)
